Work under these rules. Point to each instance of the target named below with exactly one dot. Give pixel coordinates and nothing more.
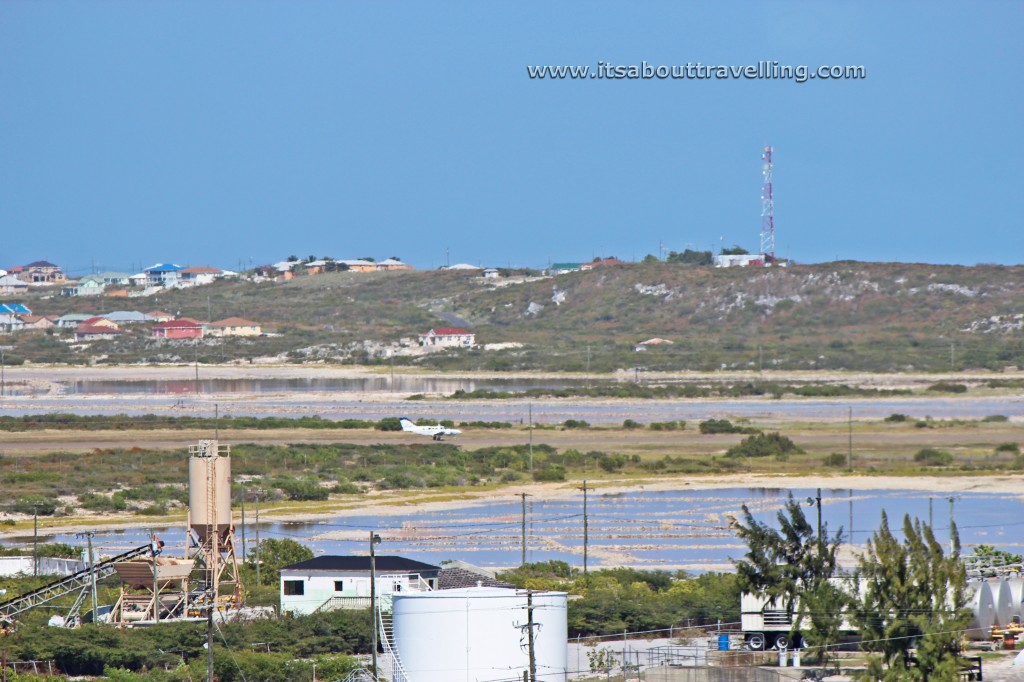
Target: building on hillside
(461, 266)
(491, 273)
(40, 272)
(448, 337)
(91, 285)
(72, 320)
(162, 274)
(328, 583)
(89, 332)
(15, 309)
(741, 260)
(99, 321)
(358, 265)
(199, 275)
(120, 279)
(184, 328)
(10, 323)
(393, 264)
(37, 322)
(9, 284)
(159, 316)
(235, 326)
(127, 317)
(601, 263)
(563, 268)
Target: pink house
(178, 329)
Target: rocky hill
(842, 315)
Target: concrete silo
(211, 531)
(480, 634)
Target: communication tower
(211, 533)
(767, 210)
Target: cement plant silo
(982, 606)
(209, 489)
(1002, 595)
(479, 634)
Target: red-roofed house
(601, 263)
(448, 337)
(199, 274)
(178, 329)
(84, 332)
(235, 326)
(38, 322)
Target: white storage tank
(1002, 595)
(209, 481)
(1017, 592)
(478, 634)
(982, 606)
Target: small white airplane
(434, 432)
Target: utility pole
(243, 523)
(584, 489)
(35, 539)
(209, 642)
(258, 537)
(196, 349)
(374, 541)
(92, 574)
(952, 523)
(849, 444)
(817, 502)
(3, 379)
(216, 421)
(531, 436)
(952, 346)
(523, 496)
(529, 635)
(156, 584)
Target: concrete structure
(393, 264)
(448, 337)
(478, 634)
(159, 316)
(211, 535)
(89, 332)
(40, 272)
(37, 322)
(126, 317)
(199, 275)
(343, 582)
(91, 285)
(235, 326)
(358, 265)
(161, 274)
(741, 260)
(98, 321)
(491, 273)
(72, 320)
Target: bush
(1008, 447)
(612, 463)
(630, 424)
(933, 458)
(554, 472)
(154, 510)
(836, 459)
(575, 424)
(103, 503)
(346, 487)
(764, 445)
(299, 491)
(30, 505)
(948, 387)
(388, 424)
(897, 417)
(922, 424)
(668, 426)
(996, 418)
(717, 426)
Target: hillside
(844, 315)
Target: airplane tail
(407, 424)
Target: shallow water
(648, 529)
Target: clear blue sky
(213, 133)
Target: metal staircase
(66, 585)
(393, 669)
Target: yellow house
(235, 326)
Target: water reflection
(401, 384)
(649, 529)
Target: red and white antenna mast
(767, 210)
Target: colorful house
(184, 328)
(448, 337)
(235, 326)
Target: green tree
(690, 257)
(735, 250)
(275, 554)
(789, 562)
(913, 596)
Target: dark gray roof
(385, 564)
(454, 578)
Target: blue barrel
(723, 642)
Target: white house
(448, 337)
(741, 260)
(327, 583)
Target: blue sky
(228, 132)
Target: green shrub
(154, 510)
(717, 426)
(554, 472)
(345, 487)
(668, 426)
(922, 424)
(575, 424)
(996, 418)
(302, 490)
(948, 387)
(933, 458)
(630, 424)
(103, 503)
(388, 424)
(34, 504)
(764, 445)
(612, 462)
(897, 417)
(1008, 447)
(836, 459)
